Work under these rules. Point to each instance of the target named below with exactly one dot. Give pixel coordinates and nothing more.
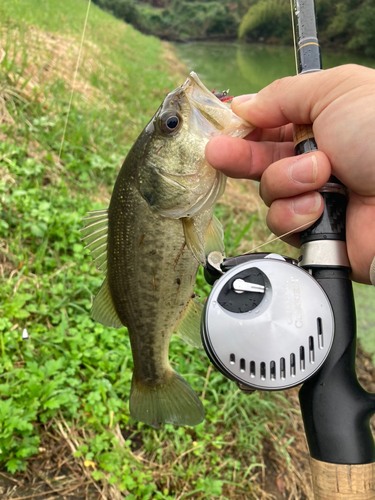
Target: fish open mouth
(214, 110)
(208, 104)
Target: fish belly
(151, 275)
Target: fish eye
(170, 122)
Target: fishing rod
(336, 410)
(272, 323)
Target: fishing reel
(267, 323)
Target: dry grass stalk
(72, 437)
(47, 59)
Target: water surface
(246, 68)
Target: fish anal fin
(189, 326)
(172, 402)
(103, 309)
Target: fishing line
(74, 79)
(282, 236)
(294, 36)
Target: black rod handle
(335, 408)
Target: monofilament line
(282, 236)
(74, 79)
(294, 35)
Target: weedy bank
(64, 420)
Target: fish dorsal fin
(193, 241)
(103, 309)
(189, 326)
(95, 236)
(214, 237)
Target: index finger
(301, 98)
(245, 159)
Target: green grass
(73, 369)
(365, 299)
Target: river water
(246, 68)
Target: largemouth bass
(157, 230)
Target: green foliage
(339, 23)
(363, 38)
(345, 23)
(176, 19)
(266, 19)
(123, 9)
(365, 297)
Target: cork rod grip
(343, 482)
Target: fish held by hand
(149, 243)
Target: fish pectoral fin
(214, 238)
(193, 241)
(95, 234)
(172, 402)
(103, 309)
(189, 326)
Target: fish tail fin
(173, 402)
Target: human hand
(340, 103)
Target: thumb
(299, 99)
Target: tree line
(348, 24)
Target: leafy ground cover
(65, 429)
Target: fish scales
(143, 283)
(157, 230)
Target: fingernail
(305, 170)
(307, 204)
(243, 98)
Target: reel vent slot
(242, 365)
(273, 370)
(263, 370)
(293, 365)
(302, 358)
(320, 333)
(311, 349)
(252, 369)
(282, 368)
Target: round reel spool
(267, 324)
